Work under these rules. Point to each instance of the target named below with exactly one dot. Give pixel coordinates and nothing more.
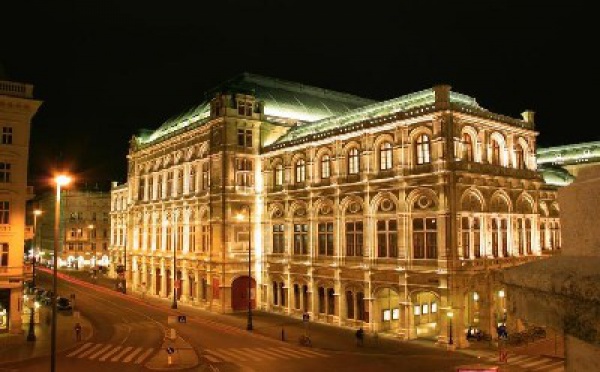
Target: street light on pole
(60, 180)
(31, 333)
(450, 316)
(174, 304)
(240, 217)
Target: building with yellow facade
(394, 215)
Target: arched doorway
(239, 293)
(387, 310)
(426, 314)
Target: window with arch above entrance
(385, 156)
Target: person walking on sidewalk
(77, 332)
(360, 335)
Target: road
(128, 332)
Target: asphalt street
(129, 332)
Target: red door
(239, 293)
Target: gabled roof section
(403, 103)
(282, 100)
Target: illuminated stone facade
(17, 108)
(84, 228)
(391, 215)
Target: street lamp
(174, 304)
(450, 314)
(240, 217)
(60, 180)
(91, 228)
(31, 333)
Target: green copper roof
(569, 154)
(282, 100)
(556, 176)
(403, 103)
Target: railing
(495, 170)
(5, 228)
(16, 89)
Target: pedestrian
(360, 334)
(78, 331)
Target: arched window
(468, 154)
(495, 152)
(353, 161)
(192, 179)
(519, 157)
(278, 174)
(385, 156)
(300, 171)
(423, 149)
(325, 167)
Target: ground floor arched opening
(387, 310)
(426, 314)
(239, 293)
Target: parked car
(46, 297)
(63, 303)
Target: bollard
(282, 334)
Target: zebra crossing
(258, 354)
(531, 363)
(111, 353)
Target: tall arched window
(353, 161)
(495, 152)
(325, 167)
(300, 171)
(468, 154)
(279, 174)
(423, 149)
(519, 157)
(385, 156)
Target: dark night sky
(106, 69)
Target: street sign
(181, 319)
(170, 350)
(305, 317)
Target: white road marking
(89, 351)
(132, 355)
(95, 355)
(123, 352)
(211, 358)
(83, 347)
(107, 355)
(144, 356)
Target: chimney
(442, 95)
(528, 116)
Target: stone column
(185, 294)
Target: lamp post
(240, 217)
(31, 333)
(450, 315)
(60, 180)
(91, 228)
(174, 304)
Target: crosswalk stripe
(144, 356)
(83, 347)
(299, 353)
(211, 358)
(89, 351)
(107, 355)
(123, 352)
(555, 364)
(287, 353)
(273, 353)
(96, 354)
(132, 355)
(219, 354)
(534, 364)
(245, 355)
(313, 352)
(241, 358)
(257, 350)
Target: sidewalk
(15, 348)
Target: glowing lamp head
(450, 314)
(501, 293)
(62, 180)
(239, 217)
(90, 226)
(475, 296)
(37, 212)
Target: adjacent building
(17, 108)
(561, 164)
(84, 228)
(395, 215)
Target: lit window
(300, 171)
(423, 149)
(7, 135)
(385, 156)
(434, 307)
(417, 309)
(467, 147)
(279, 174)
(353, 161)
(386, 315)
(325, 167)
(395, 314)
(4, 172)
(425, 308)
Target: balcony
(495, 170)
(9, 88)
